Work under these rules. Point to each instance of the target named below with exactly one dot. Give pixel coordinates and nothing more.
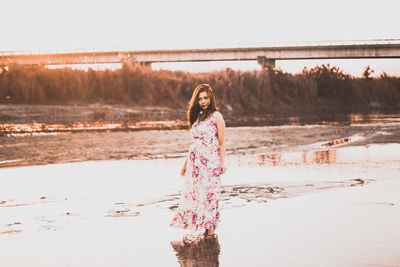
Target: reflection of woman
(202, 252)
(202, 169)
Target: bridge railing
(265, 44)
(328, 43)
(60, 51)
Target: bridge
(265, 56)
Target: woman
(204, 165)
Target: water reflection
(197, 252)
(319, 157)
(271, 159)
(324, 157)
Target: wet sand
(293, 213)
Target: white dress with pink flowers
(198, 209)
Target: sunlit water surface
(294, 195)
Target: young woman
(198, 209)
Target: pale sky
(49, 25)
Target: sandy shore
(117, 213)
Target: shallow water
(117, 213)
(319, 194)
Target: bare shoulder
(218, 115)
(219, 119)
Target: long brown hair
(194, 107)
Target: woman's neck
(204, 115)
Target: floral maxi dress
(198, 208)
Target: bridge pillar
(266, 62)
(130, 63)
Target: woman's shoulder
(217, 114)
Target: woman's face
(204, 100)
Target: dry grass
(316, 89)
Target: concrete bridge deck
(265, 56)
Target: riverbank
(155, 134)
(90, 114)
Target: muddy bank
(263, 144)
(149, 136)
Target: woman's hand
(183, 170)
(221, 140)
(222, 168)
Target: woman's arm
(221, 140)
(183, 170)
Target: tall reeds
(320, 88)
